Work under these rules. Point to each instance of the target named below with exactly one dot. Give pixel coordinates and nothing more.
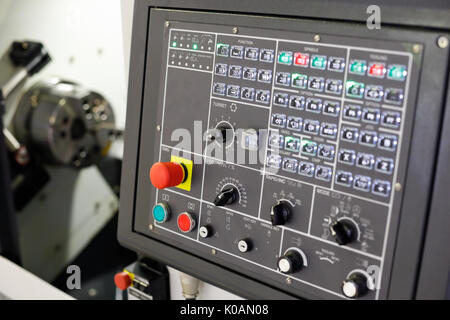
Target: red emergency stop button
(167, 174)
(122, 280)
(185, 222)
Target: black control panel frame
(416, 192)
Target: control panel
(278, 153)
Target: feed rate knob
(167, 174)
(222, 133)
(355, 285)
(291, 262)
(227, 196)
(280, 212)
(344, 231)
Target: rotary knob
(355, 285)
(227, 196)
(167, 174)
(344, 231)
(280, 212)
(223, 133)
(291, 262)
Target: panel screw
(167, 24)
(416, 48)
(398, 186)
(442, 42)
(213, 251)
(288, 281)
(150, 226)
(158, 128)
(235, 30)
(316, 38)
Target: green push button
(354, 89)
(319, 62)
(358, 67)
(161, 212)
(285, 57)
(397, 72)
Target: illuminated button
(237, 52)
(377, 69)
(251, 53)
(290, 165)
(285, 57)
(221, 69)
(294, 123)
(374, 93)
(352, 112)
(248, 94)
(311, 126)
(278, 120)
(186, 222)
(280, 99)
(387, 142)
(306, 169)
(219, 88)
(161, 212)
(346, 156)
(283, 78)
(308, 147)
(331, 108)
(276, 141)
(323, 173)
(235, 72)
(370, 115)
(123, 280)
(365, 160)
(333, 86)
(397, 72)
(349, 134)
(384, 165)
(326, 152)
(263, 96)
(167, 174)
(391, 119)
(249, 74)
(292, 144)
(336, 64)
(393, 95)
(316, 84)
(273, 161)
(265, 76)
(381, 188)
(313, 105)
(299, 80)
(362, 183)
(357, 67)
(368, 138)
(222, 49)
(233, 91)
(296, 102)
(266, 55)
(318, 62)
(301, 59)
(344, 178)
(328, 130)
(354, 89)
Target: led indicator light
(174, 44)
(195, 46)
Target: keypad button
(377, 69)
(318, 62)
(349, 134)
(290, 165)
(391, 119)
(370, 115)
(397, 72)
(357, 67)
(311, 126)
(294, 123)
(280, 99)
(219, 88)
(331, 108)
(328, 130)
(248, 94)
(223, 49)
(323, 173)
(276, 141)
(354, 89)
(237, 52)
(374, 93)
(278, 120)
(285, 57)
(249, 74)
(347, 156)
(251, 53)
(333, 86)
(301, 59)
(381, 188)
(235, 72)
(283, 79)
(296, 102)
(316, 83)
(336, 64)
(308, 148)
(393, 95)
(313, 105)
(273, 161)
(362, 183)
(306, 169)
(365, 160)
(265, 76)
(221, 69)
(384, 165)
(387, 142)
(352, 112)
(326, 151)
(344, 178)
(263, 96)
(368, 138)
(266, 55)
(233, 91)
(292, 144)
(299, 81)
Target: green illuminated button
(161, 212)
(397, 72)
(174, 43)
(299, 80)
(309, 147)
(358, 67)
(292, 144)
(223, 49)
(285, 57)
(354, 89)
(319, 62)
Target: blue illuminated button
(161, 212)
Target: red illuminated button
(301, 59)
(122, 280)
(185, 222)
(377, 69)
(167, 174)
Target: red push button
(185, 222)
(122, 280)
(166, 174)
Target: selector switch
(291, 262)
(279, 214)
(355, 286)
(244, 245)
(167, 174)
(344, 231)
(205, 231)
(186, 222)
(227, 196)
